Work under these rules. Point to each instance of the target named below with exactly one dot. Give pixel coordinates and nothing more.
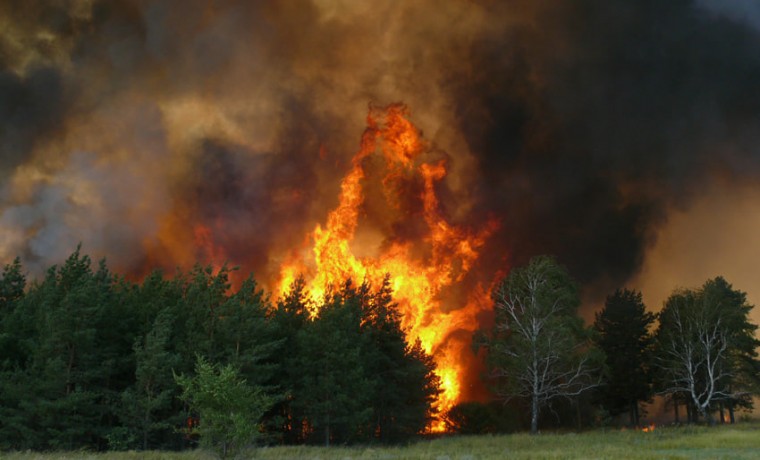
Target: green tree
(146, 406)
(198, 313)
(13, 354)
(538, 349)
(230, 410)
(245, 335)
(12, 285)
(624, 335)
(707, 347)
(405, 385)
(743, 380)
(289, 317)
(76, 351)
(334, 391)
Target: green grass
(740, 441)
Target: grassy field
(740, 441)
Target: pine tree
(146, 413)
(289, 316)
(404, 383)
(74, 369)
(623, 334)
(333, 392)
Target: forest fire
(622, 140)
(422, 265)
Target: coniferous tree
(12, 285)
(149, 408)
(334, 391)
(73, 372)
(198, 314)
(623, 334)
(246, 336)
(15, 333)
(288, 317)
(146, 415)
(90, 357)
(405, 385)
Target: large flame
(421, 267)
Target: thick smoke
(151, 130)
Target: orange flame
(422, 269)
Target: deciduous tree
(539, 349)
(706, 346)
(229, 409)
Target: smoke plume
(160, 133)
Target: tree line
(701, 356)
(91, 360)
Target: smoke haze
(161, 133)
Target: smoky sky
(579, 125)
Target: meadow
(741, 441)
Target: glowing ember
(422, 265)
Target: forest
(93, 360)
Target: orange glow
(648, 429)
(424, 267)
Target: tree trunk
(722, 414)
(689, 413)
(327, 431)
(534, 415)
(636, 412)
(631, 416)
(707, 414)
(675, 409)
(731, 412)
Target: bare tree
(539, 349)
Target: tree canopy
(707, 349)
(624, 334)
(539, 349)
(88, 361)
(92, 360)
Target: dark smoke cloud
(597, 117)
(581, 125)
(31, 108)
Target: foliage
(350, 374)
(707, 347)
(480, 418)
(539, 349)
(229, 409)
(87, 357)
(623, 334)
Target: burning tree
(539, 349)
(706, 347)
(396, 178)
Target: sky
(620, 136)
